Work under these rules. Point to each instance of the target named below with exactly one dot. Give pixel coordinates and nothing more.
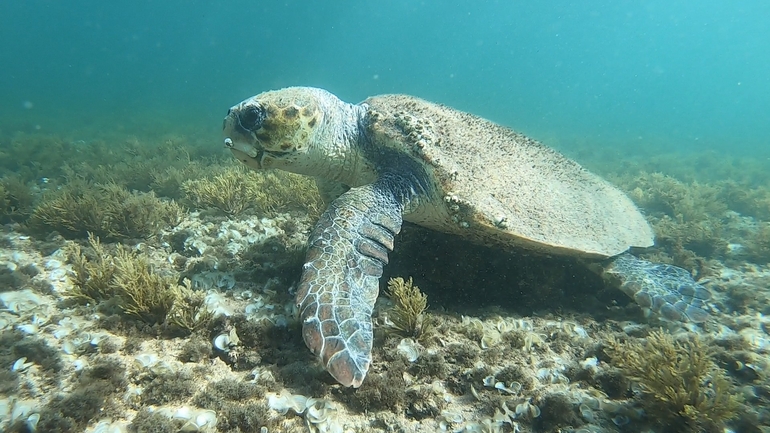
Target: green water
(626, 76)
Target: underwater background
(618, 74)
(147, 279)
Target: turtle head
(281, 129)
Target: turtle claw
(667, 290)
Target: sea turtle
(397, 157)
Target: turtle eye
(251, 118)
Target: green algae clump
(706, 216)
(228, 192)
(107, 210)
(758, 246)
(129, 279)
(142, 293)
(234, 190)
(189, 310)
(16, 199)
(681, 385)
(408, 316)
(685, 216)
(240, 405)
(93, 272)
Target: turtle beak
(245, 148)
(246, 153)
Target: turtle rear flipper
(340, 282)
(665, 289)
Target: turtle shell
(496, 186)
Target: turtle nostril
(251, 118)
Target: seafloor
(146, 285)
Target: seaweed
(556, 411)
(168, 181)
(92, 397)
(15, 344)
(71, 412)
(137, 164)
(106, 210)
(275, 258)
(234, 190)
(681, 386)
(704, 238)
(108, 372)
(128, 279)
(195, 349)
(515, 373)
(613, 382)
(93, 273)
(695, 218)
(462, 354)
(703, 166)
(240, 405)
(424, 401)
(16, 199)
(9, 382)
(218, 393)
(408, 317)
(246, 418)
(33, 156)
(148, 421)
(143, 293)
(133, 174)
(741, 198)
(230, 191)
(665, 194)
(686, 217)
(758, 245)
(381, 391)
(430, 365)
(167, 388)
(12, 279)
(189, 311)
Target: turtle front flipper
(340, 281)
(665, 289)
